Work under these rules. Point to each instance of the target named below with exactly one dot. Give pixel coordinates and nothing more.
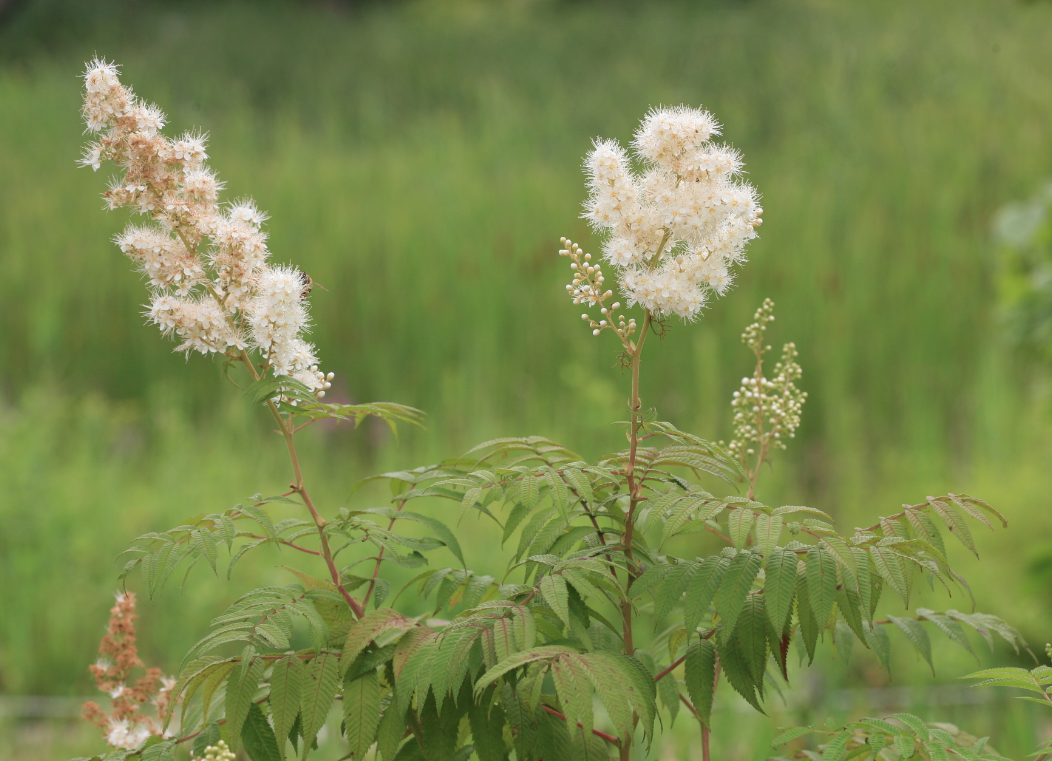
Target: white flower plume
(213, 287)
(676, 228)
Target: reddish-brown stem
(380, 559)
(300, 427)
(727, 539)
(299, 488)
(681, 659)
(670, 669)
(705, 730)
(609, 738)
(690, 706)
(287, 544)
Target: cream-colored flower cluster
(766, 411)
(677, 227)
(207, 264)
(217, 752)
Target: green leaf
(954, 522)
(518, 512)
(557, 490)
(441, 531)
(768, 532)
(904, 746)
(554, 742)
(736, 666)
(258, 737)
(788, 509)
(321, 677)
(472, 497)
(735, 587)
(750, 634)
(156, 749)
(206, 545)
(700, 676)
(210, 735)
(486, 731)
(790, 733)
(915, 723)
(210, 685)
(890, 569)
(1001, 673)
(515, 660)
(579, 482)
(381, 589)
(779, 585)
(361, 713)
(836, 748)
(606, 672)
(531, 529)
(684, 510)
(529, 491)
(821, 582)
(949, 627)
(574, 691)
(240, 689)
(286, 683)
(368, 628)
(391, 730)
(849, 602)
(642, 692)
(809, 625)
(917, 636)
(191, 674)
(878, 640)
(553, 589)
(668, 690)
(740, 524)
(668, 592)
(702, 589)
(259, 516)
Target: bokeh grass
(420, 161)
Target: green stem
(635, 491)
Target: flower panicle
(675, 228)
(213, 287)
(587, 288)
(125, 725)
(766, 410)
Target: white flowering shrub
(645, 581)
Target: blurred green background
(420, 160)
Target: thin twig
(609, 738)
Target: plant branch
(287, 544)
(609, 738)
(300, 488)
(380, 558)
(670, 669)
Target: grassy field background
(420, 160)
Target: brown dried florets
(125, 725)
